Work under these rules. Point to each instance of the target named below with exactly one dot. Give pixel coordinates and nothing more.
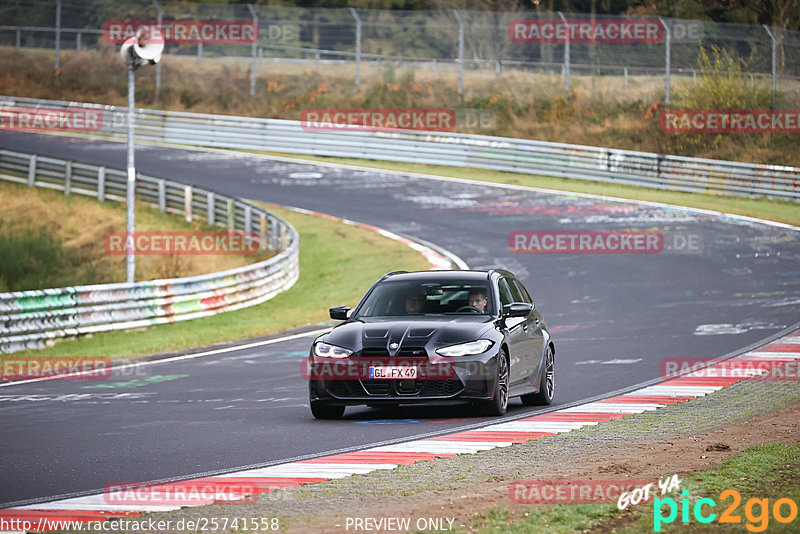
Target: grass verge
(338, 262)
(769, 471)
(783, 211)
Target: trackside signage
(730, 120)
(185, 31)
(569, 491)
(586, 31)
(18, 119)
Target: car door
(534, 334)
(517, 334)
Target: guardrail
(28, 319)
(597, 164)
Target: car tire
(547, 384)
(499, 403)
(322, 410)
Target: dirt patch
(650, 460)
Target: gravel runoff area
(682, 438)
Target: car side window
(515, 294)
(505, 293)
(526, 297)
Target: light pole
(146, 45)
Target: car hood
(428, 332)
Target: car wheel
(547, 384)
(321, 410)
(499, 403)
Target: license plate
(388, 372)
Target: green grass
(784, 211)
(767, 471)
(338, 262)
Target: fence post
(158, 65)
(32, 171)
(199, 52)
(626, 77)
(668, 46)
(19, 39)
(58, 36)
(78, 41)
(566, 53)
(262, 231)
(774, 64)
(231, 215)
(162, 196)
(187, 202)
(253, 52)
(358, 48)
(67, 177)
(210, 208)
(101, 184)
(460, 53)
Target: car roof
(419, 276)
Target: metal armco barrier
(597, 164)
(29, 318)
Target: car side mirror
(517, 309)
(339, 312)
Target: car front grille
(441, 388)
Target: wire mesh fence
(576, 48)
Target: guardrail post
(210, 202)
(774, 64)
(32, 171)
(626, 77)
(273, 231)
(58, 37)
(358, 48)
(460, 52)
(101, 184)
(668, 47)
(187, 202)
(262, 231)
(231, 215)
(78, 41)
(67, 177)
(162, 195)
(199, 52)
(158, 65)
(19, 39)
(566, 54)
(248, 218)
(253, 52)
(283, 237)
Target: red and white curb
(244, 484)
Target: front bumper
(470, 378)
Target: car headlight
(465, 349)
(326, 350)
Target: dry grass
(599, 111)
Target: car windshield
(431, 297)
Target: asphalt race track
(719, 285)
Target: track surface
(615, 317)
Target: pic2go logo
(756, 511)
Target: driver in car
(414, 301)
(478, 300)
